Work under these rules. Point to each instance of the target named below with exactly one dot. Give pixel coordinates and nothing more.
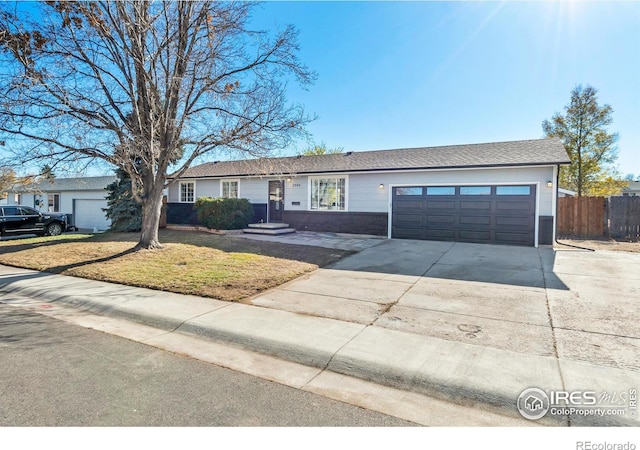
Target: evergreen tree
(123, 210)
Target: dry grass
(222, 267)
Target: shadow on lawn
(62, 269)
(22, 244)
(319, 256)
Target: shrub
(224, 213)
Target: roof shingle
(499, 154)
(67, 184)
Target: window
(29, 211)
(328, 194)
(187, 192)
(17, 199)
(11, 211)
(409, 191)
(475, 190)
(54, 203)
(229, 189)
(513, 190)
(449, 190)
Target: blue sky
(411, 74)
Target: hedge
(224, 213)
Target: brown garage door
(484, 214)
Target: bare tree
(148, 86)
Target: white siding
(365, 195)
(296, 190)
(66, 198)
(206, 188)
(172, 192)
(254, 189)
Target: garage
(88, 214)
(488, 214)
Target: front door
(276, 200)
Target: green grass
(222, 267)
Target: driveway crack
(387, 307)
(554, 340)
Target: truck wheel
(54, 229)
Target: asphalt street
(53, 373)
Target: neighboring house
(84, 198)
(501, 193)
(566, 193)
(632, 190)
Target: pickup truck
(18, 219)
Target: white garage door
(89, 214)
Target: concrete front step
(269, 226)
(269, 231)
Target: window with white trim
(328, 194)
(229, 188)
(187, 191)
(53, 201)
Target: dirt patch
(603, 244)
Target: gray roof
(496, 154)
(67, 184)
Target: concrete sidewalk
(483, 377)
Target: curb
(431, 366)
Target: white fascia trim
(554, 203)
(537, 216)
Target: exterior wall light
(381, 186)
(549, 184)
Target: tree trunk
(151, 211)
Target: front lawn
(222, 267)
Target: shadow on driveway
(508, 265)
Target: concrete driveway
(567, 303)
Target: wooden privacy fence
(623, 215)
(581, 216)
(616, 217)
(163, 213)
